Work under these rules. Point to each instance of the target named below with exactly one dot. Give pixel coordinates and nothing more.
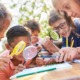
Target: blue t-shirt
(76, 39)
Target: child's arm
(4, 61)
(49, 61)
(19, 68)
(67, 53)
(28, 62)
(39, 61)
(49, 46)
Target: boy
(14, 35)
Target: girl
(66, 28)
(72, 8)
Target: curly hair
(32, 25)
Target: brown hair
(54, 16)
(71, 24)
(4, 13)
(32, 25)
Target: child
(71, 7)
(15, 65)
(66, 28)
(5, 19)
(14, 35)
(34, 28)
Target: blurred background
(23, 10)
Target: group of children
(72, 8)
(11, 65)
(29, 33)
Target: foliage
(33, 9)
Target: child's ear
(7, 46)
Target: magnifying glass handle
(48, 56)
(12, 54)
(24, 62)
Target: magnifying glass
(18, 48)
(29, 52)
(55, 55)
(54, 35)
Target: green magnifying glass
(54, 35)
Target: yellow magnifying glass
(18, 48)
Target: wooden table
(65, 74)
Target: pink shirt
(9, 70)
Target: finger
(39, 62)
(3, 63)
(5, 60)
(19, 69)
(57, 58)
(2, 68)
(8, 57)
(65, 57)
(21, 66)
(71, 57)
(61, 57)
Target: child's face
(35, 33)
(4, 26)
(71, 7)
(61, 27)
(13, 44)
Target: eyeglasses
(61, 26)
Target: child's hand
(34, 39)
(40, 61)
(48, 45)
(39, 48)
(4, 61)
(49, 61)
(67, 54)
(19, 68)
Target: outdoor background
(22, 10)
